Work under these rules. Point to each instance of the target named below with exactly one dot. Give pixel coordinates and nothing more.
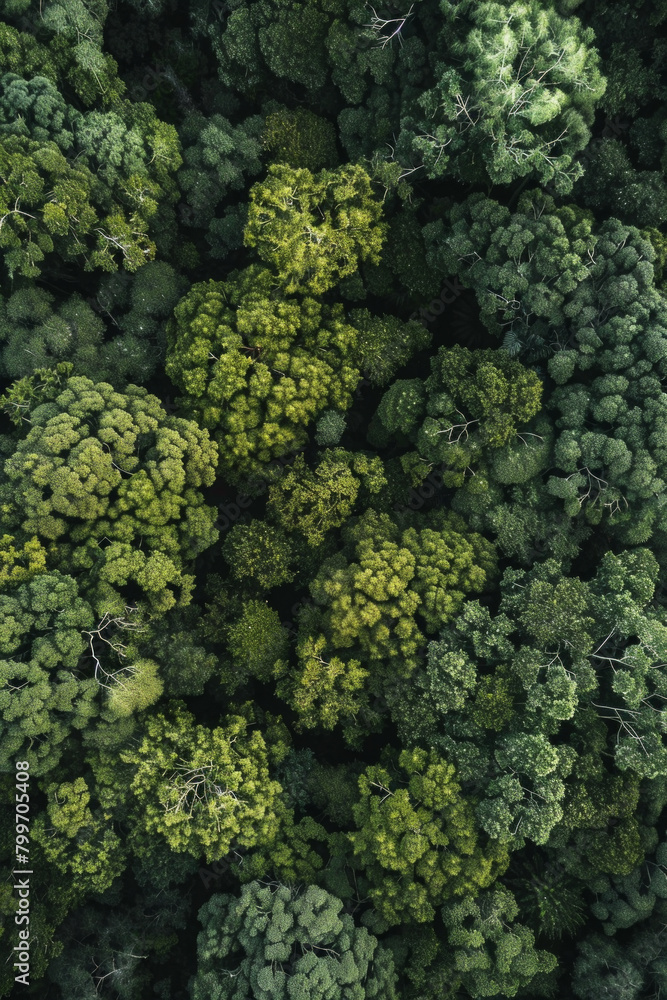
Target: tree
(516, 91)
(202, 790)
(522, 265)
(314, 229)
(44, 696)
(386, 344)
(35, 222)
(38, 332)
(628, 42)
(97, 465)
(300, 139)
(590, 306)
(124, 947)
(550, 900)
(177, 642)
(259, 554)
(313, 503)
(404, 259)
(612, 184)
(399, 412)
(217, 158)
(134, 153)
(614, 464)
(37, 336)
(257, 642)
(269, 43)
(496, 691)
(77, 841)
(418, 845)
(330, 428)
(623, 901)
(287, 942)
(605, 968)
(35, 108)
(20, 564)
(371, 597)
(325, 689)
(139, 307)
(255, 368)
(121, 163)
(472, 401)
(67, 53)
(493, 954)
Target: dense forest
(333, 499)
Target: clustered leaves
(332, 487)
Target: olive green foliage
(394, 582)
(256, 641)
(95, 209)
(325, 690)
(256, 369)
(473, 401)
(20, 564)
(300, 139)
(44, 695)
(97, 465)
(77, 841)
(36, 223)
(386, 344)
(314, 503)
(259, 555)
(418, 844)
(333, 552)
(201, 789)
(314, 229)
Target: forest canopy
(333, 499)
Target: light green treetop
(113, 482)
(257, 368)
(314, 229)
